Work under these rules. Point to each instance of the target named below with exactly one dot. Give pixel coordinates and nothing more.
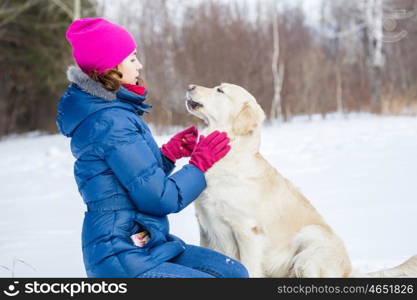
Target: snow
(358, 171)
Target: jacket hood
(84, 97)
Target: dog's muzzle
(191, 104)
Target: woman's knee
(235, 269)
(212, 262)
(225, 266)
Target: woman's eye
(220, 90)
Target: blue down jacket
(123, 179)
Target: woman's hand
(209, 150)
(140, 239)
(181, 145)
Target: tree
(277, 69)
(35, 56)
(374, 36)
(74, 13)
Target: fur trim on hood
(77, 76)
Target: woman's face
(130, 68)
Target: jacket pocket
(125, 224)
(124, 229)
(148, 223)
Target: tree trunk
(277, 72)
(374, 15)
(339, 89)
(77, 9)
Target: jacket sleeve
(136, 167)
(168, 165)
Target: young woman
(123, 177)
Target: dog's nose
(191, 87)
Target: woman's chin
(135, 82)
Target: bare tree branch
(18, 11)
(64, 8)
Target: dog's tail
(406, 269)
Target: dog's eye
(220, 90)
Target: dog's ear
(247, 119)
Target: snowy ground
(359, 172)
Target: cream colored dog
(252, 213)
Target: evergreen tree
(34, 55)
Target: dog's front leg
(204, 241)
(251, 244)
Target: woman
(122, 175)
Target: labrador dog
(250, 212)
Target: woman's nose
(140, 66)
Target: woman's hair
(112, 79)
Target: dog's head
(227, 107)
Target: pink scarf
(137, 89)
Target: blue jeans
(198, 262)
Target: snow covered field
(360, 173)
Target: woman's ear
(247, 120)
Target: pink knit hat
(99, 44)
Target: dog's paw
(304, 266)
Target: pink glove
(209, 150)
(181, 145)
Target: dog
(250, 212)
